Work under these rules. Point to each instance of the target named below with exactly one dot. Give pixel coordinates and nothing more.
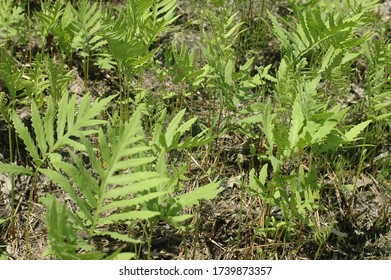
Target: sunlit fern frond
(118, 183)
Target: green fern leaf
(62, 115)
(267, 123)
(228, 72)
(296, 125)
(194, 197)
(173, 126)
(132, 177)
(355, 131)
(177, 220)
(96, 195)
(323, 131)
(24, 134)
(48, 121)
(139, 200)
(87, 184)
(332, 142)
(120, 237)
(164, 7)
(131, 215)
(252, 119)
(39, 129)
(70, 124)
(280, 32)
(87, 28)
(11, 74)
(135, 188)
(14, 169)
(121, 165)
(263, 174)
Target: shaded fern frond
(47, 18)
(11, 75)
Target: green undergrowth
(133, 126)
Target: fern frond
(24, 134)
(126, 188)
(64, 183)
(11, 74)
(130, 35)
(355, 131)
(64, 32)
(39, 129)
(173, 126)
(87, 28)
(316, 32)
(120, 187)
(192, 198)
(70, 124)
(47, 18)
(56, 128)
(58, 77)
(296, 124)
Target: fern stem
(196, 232)
(151, 227)
(30, 33)
(121, 94)
(30, 203)
(239, 235)
(12, 183)
(184, 245)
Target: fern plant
(378, 84)
(64, 32)
(129, 36)
(12, 76)
(87, 26)
(109, 199)
(311, 127)
(124, 189)
(47, 77)
(181, 59)
(332, 37)
(316, 31)
(59, 126)
(48, 19)
(122, 184)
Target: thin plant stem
(12, 183)
(196, 232)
